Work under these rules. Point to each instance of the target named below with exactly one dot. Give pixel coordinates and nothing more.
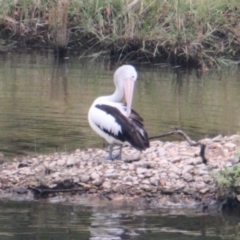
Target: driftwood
(40, 192)
(188, 139)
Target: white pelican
(116, 122)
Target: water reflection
(106, 225)
(40, 220)
(59, 81)
(44, 103)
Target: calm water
(44, 108)
(29, 221)
(44, 105)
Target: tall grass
(199, 32)
(57, 20)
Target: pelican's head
(125, 78)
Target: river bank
(167, 174)
(190, 33)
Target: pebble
(188, 177)
(84, 178)
(107, 185)
(186, 169)
(95, 176)
(61, 162)
(97, 182)
(154, 181)
(173, 175)
(140, 170)
(164, 168)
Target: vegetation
(228, 181)
(189, 32)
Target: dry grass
(199, 32)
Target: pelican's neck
(116, 96)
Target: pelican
(116, 122)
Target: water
(44, 105)
(39, 220)
(44, 108)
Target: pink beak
(129, 88)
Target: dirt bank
(166, 174)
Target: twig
(179, 132)
(188, 139)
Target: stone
(234, 160)
(76, 179)
(131, 167)
(145, 181)
(230, 145)
(99, 168)
(56, 175)
(163, 182)
(197, 160)
(154, 181)
(178, 169)
(179, 185)
(146, 187)
(173, 175)
(135, 182)
(39, 169)
(204, 190)
(124, 167)
(200, 172)
(95, 175)
(167, 190)
(187, 169)
(140, 170)
(154, 190)
(228, 164)
(174, 169)
(218, 138)
(84, 178)
(109, 171)
(148, 174)
(207, 178)
(61, 162)
(198, 178)
(26, 171)
(52, 165)
(188, 177)
(97, 182)
(92, 190)
(107, 185)
(176, 159)
(200, 185)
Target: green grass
(228, 181)
(193, 32)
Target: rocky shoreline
(166, 174)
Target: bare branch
(188, 139)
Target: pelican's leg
(114, 157)
(109, 157)
(119, 155)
